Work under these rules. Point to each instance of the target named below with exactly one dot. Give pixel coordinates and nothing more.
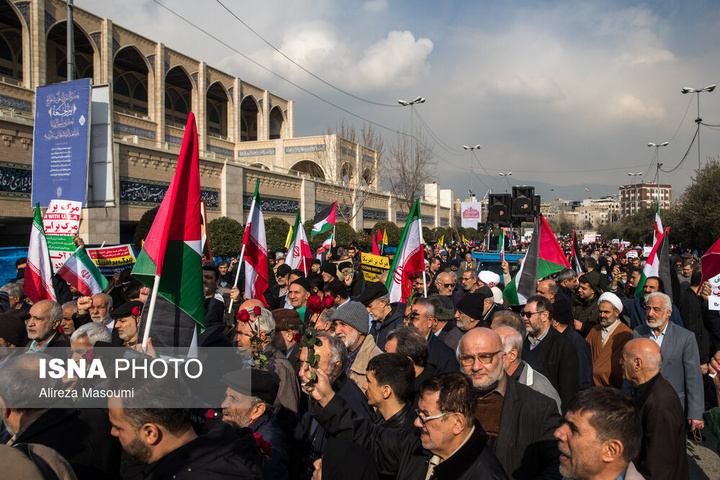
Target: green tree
(344, 234)
(429, 235)
(695, 220)
(143, 227)
(225, 236)
(394, 232)
(276, 230)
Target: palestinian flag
(38, 283)
(80, 272)
(658, 265)
(172, 251)
(325, 220)
(658, 226)
(257, 267)
(544, 257)
(299, 255)
(409, 261)
(577, 264)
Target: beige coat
(358, 370)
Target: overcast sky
(558, 92)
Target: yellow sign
(373, 266)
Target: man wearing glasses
(446, 283)
(470, 280)
(548, 351)
(447, 441)
(519, 421)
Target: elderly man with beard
(518, 420)
(248, 403)
(386, 316)
(447, 442)
(421, 315)
(43, 325)
(607, 340)
(127, 319)
(351, 327)
(94, 309)
(310, 435)
(260, 323)
(635, 307)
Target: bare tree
(353, 183)
(409, 166)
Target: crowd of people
(589, 379)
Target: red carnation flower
(243, 316)
(264, 446)
(136, 311)
(257, 311)
(328, 301)
(314, 304)
(297, 337)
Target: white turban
(612, 299)
(489, 278)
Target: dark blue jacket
(441, 356)
(277, 466)
(380, 330)
(585, 366)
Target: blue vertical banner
(61, 142)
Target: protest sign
(61, 222)
(373, 266)
(112, 259)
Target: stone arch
(218, 110)
(249, 119)
(308, 167)
(131, 81)
(11, 44)
(261, 166)
(277, 123)
(56, 53)
(178, 96)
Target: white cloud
(397, 60)
(375, 6)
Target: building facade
(245, 133)
(643, 195)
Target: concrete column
(447, 198)
(232, 186)
(357, 210)
(235, 111)
(201, 107)
(264, 127)
(307, 200)
(159, 87)
(100, 225)
(104, 74)
(38, 47)
(392, 200)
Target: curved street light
(698, 91)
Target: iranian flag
(658, 265)
(409, 260)
(38, 272)
(325, 220)
(299, 255)
(256, 258)
(658, 227)
(544, 257)
(171, 256)
(80, 272)
(325, 247)
(502, 246)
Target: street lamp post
(635, 187)
(506, 175)
(472, 152)
(698, 91)
(412, 104)
(657, 170)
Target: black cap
(561, 312)
(484, 292)
(303, 282)
(283, 269)
(125, 310)
(330, 268)
(371, 292)
(472, 305)
(286, 319)
(263, 384)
